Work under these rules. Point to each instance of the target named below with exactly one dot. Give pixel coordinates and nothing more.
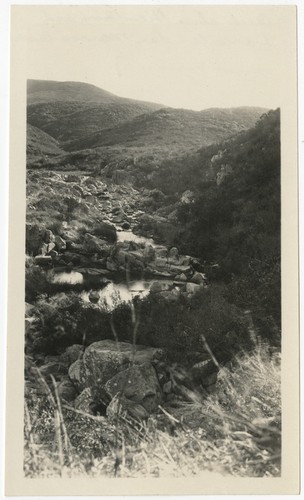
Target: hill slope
(40, 144)
(178, 129)
(70, 110)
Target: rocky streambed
(96, 253)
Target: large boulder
(93, 244)
(139, 383)
(106, 230)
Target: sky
(192, 57)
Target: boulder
(72, 353)
(48, 236)
(159, 286)
(198, 278)
(54, 368)
(161, 252)
(66, 390)
(94, 244)
(78, 374)
(139, 383)
(104, 359)
(106, 230)
(171, 295)
(123, 407)
(192, 288)
(84, 402)
(173, 254)
(205, 373)
(60, 243)
(43, 260)
(111, 265)
(149, 253)
(125, 225)
(94, 296)
(181, 277)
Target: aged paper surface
(23, 41)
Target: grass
(235, 431)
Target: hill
(40, 144)
(175, 129)
(70, 110)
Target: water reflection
(72, 278)
(116, 293)
(129, 236)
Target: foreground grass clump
(235, 431)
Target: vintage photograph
(153, 311)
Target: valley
(152, 280)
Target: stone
(192, 288)
(104, 359)
(94, 244)
(94, 296)
(111, 265)
(198, 278)
(54, 368)
(106, 230)
(139, 384)
(72, 353)
(159, 286)
(161, 252)
(122, 407)
(125, 225)
(43, 260)
(48, 236)
(50, 247)
(171, 295)
(78, 374)
(149, 253)
(167, 387)
(84, 402)
(205, 372)
(66, 390)
(181, 277)
(60, 243)
(173, 254)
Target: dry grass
(235, 431)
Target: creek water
(129, 236)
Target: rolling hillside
(178, 129)
(39, 143)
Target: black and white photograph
(152, 259)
